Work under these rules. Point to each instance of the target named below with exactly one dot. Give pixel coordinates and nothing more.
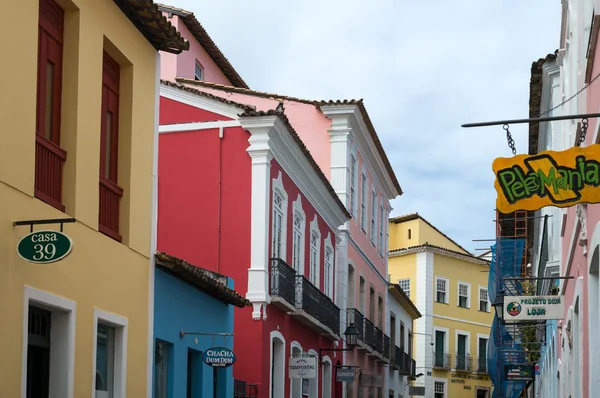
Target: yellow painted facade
(440, 258)
(414, 231)
(100, 273)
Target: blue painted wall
(180, 306)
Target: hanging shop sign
(345, 375)
(550, 178)
(537, 308)
(43, 247)
(219, 357)
(371, 380)
(303, 368)
(418, 391)
(518, 372)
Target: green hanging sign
(43, 247)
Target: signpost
(518, 372)
(549, 178)
(533, 308)
(44, 247)
(344, 375)
(303, 368)
(219, 357)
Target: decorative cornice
(437, 250)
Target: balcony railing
(315, 303)
(378, 340)
(464, 362)
(241, 389)
(482, 364)
(283, 281)
(358, 319)
(49, 159)
(442, 360)
(396, 359)
(108, 219)
(405, 364)
(386, 346)
(370, 338)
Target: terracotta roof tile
(200, 34)
(397, 291)
(427, 245)
(244, 107)
(317, 103)
(150, 21)
(207, 281)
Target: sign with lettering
(43, 247)
(219, 357)
(371, 380)
(417, 391)
(549, 178)
(518, 372)
(344, 375)
(527, 308)
(303, 368)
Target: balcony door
(461, 354)
(440, 338)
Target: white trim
(277, 186)
(468, 294)
(298, 210)
(439, 380)
(326, 364)
(570, 253)
(374, 231)
(481, 336)
(61, 385)
(195, 126)
(295, 382)
(462, 321)
(446, 338)
(120, 325)
(327, 244)
(595, 242)
(354, 200)
(314, 228)
(447, 297)
(463, 333)
(364, 199)
(367, 260)
(314, 392)
(276, 335)
(200, 101)
(489, 306)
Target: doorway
(38, 353)
(481, 393)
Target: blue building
(193, 312)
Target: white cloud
(423, 67)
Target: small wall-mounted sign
(219, 357)
(43, 247)
(416, 391)
(522, 308)
(371, 380)
(345, 375)
(303, 368)
(518, 372)
(549, 178)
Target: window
(405, 286)
(393, 335)
(441, 289)
(328, 270)
(362, 292)
(371, 304)
(277, 225)
(162, 353)
(198, 71)
(110, 192)
(439, 388)
(440, 350)
(462, 352)
(314, 257)
(105, 361)
(463, 295)
(49, 156)
(373, 217)
(482, 360)
(409, 234)
(363, 203)
(484, 305)
(297, 243)
(353, 167)
(382, 225)
(380, 312)
(410, 343)
(402, 336)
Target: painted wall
(179, 306)
(97, 262)
(421, 233)
(184, 64)
(396, 381)
(404, 268)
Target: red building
(241, 195)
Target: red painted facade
(204, 217)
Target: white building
(401, 313)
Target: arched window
(328, 267)
(299, 226)
(277, 224)
(314, 257)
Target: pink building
(342, 141)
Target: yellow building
(78, 125)
(449, 287)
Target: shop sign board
(219, 357)
(418, 391)
(518, 372)
(44, 247)
(371, 380)
(344, 375)
(549, 178)
(527, 308)
(303, 368)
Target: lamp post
(351, 335)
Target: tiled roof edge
(436, 249)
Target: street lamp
(351, 335)
(498, 305)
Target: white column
(424, 303)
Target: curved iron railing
(283, 281)
(316, 303)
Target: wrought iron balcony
(317, 305)
(386, 347)
(378, 340)
(464, 362)
(370, 338)
(241, 389)
(482, 364)
(441, 360)
(405, 364)
(396, 359)
(283, 283)
(357, 318)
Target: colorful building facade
(78, 326)
(449, 287)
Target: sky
(423, 68)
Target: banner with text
(533, 308)
(549, 178)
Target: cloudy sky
(423, 67)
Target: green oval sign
(42, 247)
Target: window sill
(487, 312)
(466, 308)
(439, 302)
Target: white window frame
(382, 222)
(442, 381)
(62, 341)
(481, 336)
(295, 384)
(315, 269)
(447, 297)
(479, 299)
(446, 332)
(120, 325)
(458, 296)
(297, 211)
(277, 187)
(374, 205)
(400, 284)
(198, 65)
(364, 182)
(465, 333)
(353, 183)
(327, 366)
(328, 276)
